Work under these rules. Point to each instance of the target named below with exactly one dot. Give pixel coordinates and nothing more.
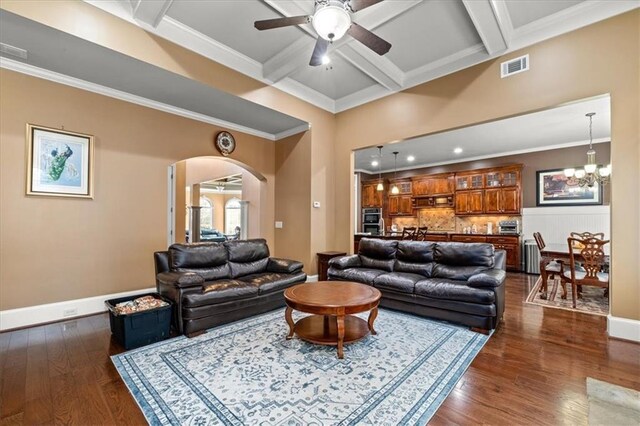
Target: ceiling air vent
(7, 49)
(514, 66)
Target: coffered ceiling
(430, 38)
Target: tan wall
(54, 249)
(119, 35)
(602, 58)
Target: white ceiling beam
(490, 28)
(287, 61)
(150, 12)
(377, 67)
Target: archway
(209, 178)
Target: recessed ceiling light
(326, 60)
(374, 163)
(411, 158)
(457, 151)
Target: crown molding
(33, 71)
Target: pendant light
(590, 174)
(380, 186)
(394, 188)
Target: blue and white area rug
(247, 373)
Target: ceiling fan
(332, 20)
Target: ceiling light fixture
(331, 20)
(411, 158)
(326, 60)
(380, 186)
(590, 174)
(394, 188)
(374, 163)
(457, 150)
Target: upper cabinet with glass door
(469, 180)
(503, 177)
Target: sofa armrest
(180, 279)
(344, 262)
(284, 266)
(491, 278)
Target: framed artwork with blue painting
(60, 163)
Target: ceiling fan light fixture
(331, 20)
(326, 60)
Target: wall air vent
(514, 66)
(7, 49)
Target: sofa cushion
(465, 254)
(209, 260)
(247, 250)
(415, 251)
(361, 275)
(377, 254)
(268, 282)
(197, 255)
(454, 290)
(397, 281)
(247, 257)
(461, 273)
(218, 292)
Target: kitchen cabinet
(371, 197)
(511, 245)
(440, 184)
(469, 202)
(400, 205)
(469, 181)
(469, 238)
(502, 200)
(503, 177)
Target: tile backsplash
(445, 220)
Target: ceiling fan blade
(357, 5)
(268, 24)
(369, 39)
(318, 52)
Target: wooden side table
(323, 262)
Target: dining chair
(408, 233)
(549, 267)
(590, 272)
(583, 235)
(421, 233)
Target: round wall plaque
(225, 142)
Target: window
(206, 213)
(232, 216)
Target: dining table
(560, 252)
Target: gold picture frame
(59, 162)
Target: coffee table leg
(372, 317)
(340, 321)
(287, 316)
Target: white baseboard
(623, 328)
(312, 278)
(39, 314)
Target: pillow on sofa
(247, 256)
(209, 260)
(377, 254)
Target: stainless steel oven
(371, 220)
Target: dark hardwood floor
(532, 370)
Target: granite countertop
(396, 234)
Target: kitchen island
(509, 243)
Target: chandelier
(591, 173)
(380, 186)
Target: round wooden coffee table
(332, 303)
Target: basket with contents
(139, 320)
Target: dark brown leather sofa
(458, 282)
(215, 283)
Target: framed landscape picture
(59, 163)
(555, 189)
